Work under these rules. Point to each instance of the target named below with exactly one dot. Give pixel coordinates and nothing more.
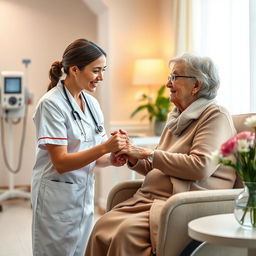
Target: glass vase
(245, 206)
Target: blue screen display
(12, 85)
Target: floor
(15, 228)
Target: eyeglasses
(173, 77)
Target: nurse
(71, 141)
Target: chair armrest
(181, 208)
(122, 192)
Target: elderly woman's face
(184, 89)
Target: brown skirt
(128, 229)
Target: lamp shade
(149, 72)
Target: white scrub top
(63, 203)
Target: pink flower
(248, 136)
(243, 148)
(229, 147)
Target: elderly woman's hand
(134, 153)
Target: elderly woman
(181, 162)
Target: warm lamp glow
(149, 72)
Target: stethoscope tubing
(74, 113)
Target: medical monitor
(12, 90)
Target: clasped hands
(128, 152)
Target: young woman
(71, 140)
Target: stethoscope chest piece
(99, 129)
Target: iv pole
(11, 192)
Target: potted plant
(157, 110)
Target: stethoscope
(75, 114)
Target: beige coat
(180, 163)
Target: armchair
(183, 207)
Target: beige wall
(40, 31)
(135, 32)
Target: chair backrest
(239, 122)
(240, 126)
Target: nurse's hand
(119, 160)
(116, 142)
(122, 132)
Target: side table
(223, 229)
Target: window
(221, 30)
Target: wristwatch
(150, 157)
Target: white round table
(223, 229)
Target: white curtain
(182, 20)
(253, 54)
(220, 29)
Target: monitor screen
(12, 85)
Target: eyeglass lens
(172, 78)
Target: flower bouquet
(239, 152)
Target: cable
(14, 121)
(10, 169)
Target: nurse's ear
(73, 70)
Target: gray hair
(205, 72)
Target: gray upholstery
(183, 207)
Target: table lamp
(149, 72)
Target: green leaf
(161, 91)
(158, 109)
(138, 109)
